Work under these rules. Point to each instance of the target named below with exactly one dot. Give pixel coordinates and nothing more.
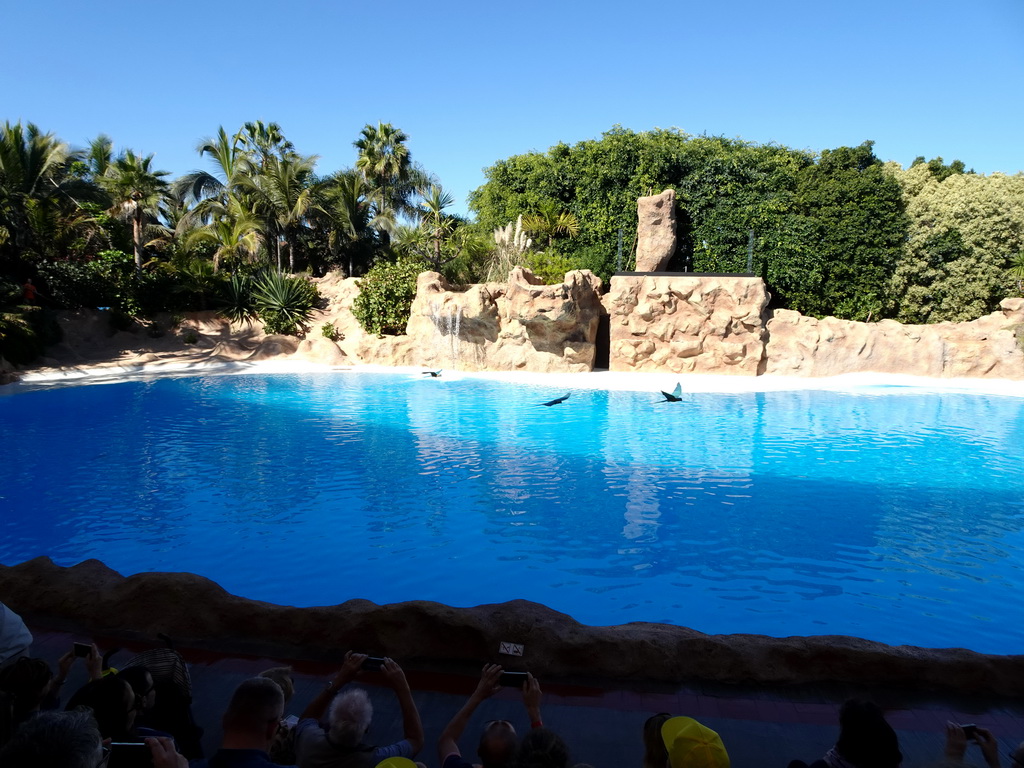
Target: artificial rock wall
(686, 324)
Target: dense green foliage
(385, 296)
(966, 233)
(827, 231)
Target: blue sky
(472, 83)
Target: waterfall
(447, 344)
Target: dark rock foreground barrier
(93, 599)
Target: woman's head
(112, 702)
(141, 681)
(655, 754)
(865, 738)
(26, 681)
(542, 748)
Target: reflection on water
(896, 517)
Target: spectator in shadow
(55, 740)
(655, 754)
(250, 722)
(498, 742)
(339, 742)
(15, 638)
(866, 740)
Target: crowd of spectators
(140, 716)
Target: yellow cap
(692, 745)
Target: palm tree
(136, 190)
(437, 222)
(343, 202)
(393, 179)
(263, 141)
(235, 237)
(551, 221)
(231, 162)
(33, 176)
(1017, 270)
(282, 196)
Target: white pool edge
(596, 380)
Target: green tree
(965, 230)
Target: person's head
(255, 710)
(57, 739)
(27, 681)
(865, 738)
(283, 677)
(141, 681)
(498, 744)
(692, 745)
(655, 753)
(1017, 757)
(542, 748)
(349, 717)
(112, 702)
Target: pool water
(895, 515)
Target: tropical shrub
(234, 300)
(385, 296)
(284, 303)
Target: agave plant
(284, 303)
(236, 300)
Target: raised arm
(448, 743)
(531, 700)
(349, 669)
(411, 724)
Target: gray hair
(350, 715)
(65, 739)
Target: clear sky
(475, 82)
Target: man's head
(65, 739)
(498, 744)
(255, 710)
(349, 717)
(283, 677)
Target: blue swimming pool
(892, 514)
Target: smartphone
(969, 730)
(290, 722)
(82, 650)
(129, 755)
(512, 679)
(373, 662)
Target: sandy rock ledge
(91, 598)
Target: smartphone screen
(129, 755)
(82, 649)
(373, 662)
(512, 679)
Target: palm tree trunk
(137, 238)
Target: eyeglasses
(105, 756)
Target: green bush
(550, 266)
(385, 296)
(330, 332)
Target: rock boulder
(656, 231)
